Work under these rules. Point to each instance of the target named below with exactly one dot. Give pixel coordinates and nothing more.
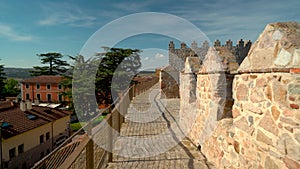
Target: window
(47, 136)
(59, 86)
(21, 149)
(38, 86)
(48, 86)
(38, 96)
(41, 138)
(27, 96)
(48, 151)
(12, 153)
(49, 97)
(27, 85)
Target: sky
(42, 26)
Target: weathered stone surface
(283, 58)
(296, 57)
(242, 124)
(235, 113)
(242, 92)
(294, 106)
(270, 164)
(268, 92)
(275, 112)
(277, 35)
(261, 82)
(294, 89)
(288, 112)
(263, 138)
(236, 147)
(268, 124)
(256, 95)
(252, 108)
(292, 149)
(297, 137)
(291, 164)
(288, 121)
(275, 48)
(279, 92)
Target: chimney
(29, 104)
(36, 102)
(22, 105)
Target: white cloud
(158, 56)
(134, 6)
(67, 14)
(11, 34)
(146, 58)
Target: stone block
(252, 108)
(242, 124)
(263, 138)
(242, 92)
(296, 57)
(279, 92)
(283, 58)
(294, 106)
(288, 121)
(294, 89)
(256, 96)
(270, 164)
(291, 164)
(268, 92)
(268, 124)
(235, 113)
(297, 137)
(292, 149)
(261, 82)
(288, 112)
(275, 112)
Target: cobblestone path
(151, 137)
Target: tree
(11, 88)
(118, 66)
(57, 66)
(83, 82)
(115, 63)
(2, 82)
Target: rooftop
(44, 79)
(17, 121)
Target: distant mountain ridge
(17, 73)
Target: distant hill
(17, 73)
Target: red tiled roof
(44, 79)
(19, 123)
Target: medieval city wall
(252, 120)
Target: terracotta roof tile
(43, 79)
(19, 122)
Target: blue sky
(35, 27)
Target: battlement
(178, 56)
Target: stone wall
(205, 98)
(169, 82)
(261, 130)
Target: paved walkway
(151, 138)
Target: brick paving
(151, 138)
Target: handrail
(86, 143)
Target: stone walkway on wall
(151, 138)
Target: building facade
(43, 88)
(28, 133)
